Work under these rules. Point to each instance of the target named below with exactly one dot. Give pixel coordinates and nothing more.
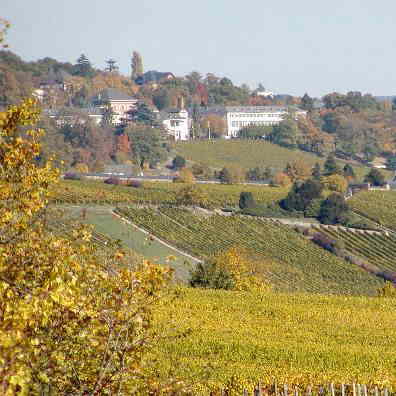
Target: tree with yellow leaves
(73, 319)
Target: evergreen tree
(111, 65)
(137, 65)
(307, 102)
(83, 67)
(330, 166)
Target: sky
(290, 46)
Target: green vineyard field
(288, 261)
(379, 206)
(94, 192)
(249, 154)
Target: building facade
(238, 117)
(177, 123)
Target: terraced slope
(248, 154)
(379, 250)
(379, 206)
(289, 261)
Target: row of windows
(241, 124)
(256, 115)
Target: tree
(307, 102)
(214, 125)
(232, 175)
(4, 26)
(302, 194)
(336, 183)
(78, 319)
(391, 163)
(281, 179)
(348, 172)
(333, 210)
(375, 177)
(192, 195)
(137, 65)
(148, 145)
(285, 134)
(330, 166)
(298, 170)
(316, 172)
(111, 65)
(178, 162)
(246, 200)
(83, 67)
(143, 114)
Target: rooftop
(109, 94)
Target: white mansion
(238, 117)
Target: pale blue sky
(291, 46)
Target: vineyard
(379, 206)
(287, 260)
(378, 249)
(93, 192)
(249, 154)
(293, 338)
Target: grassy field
(379, 206)
(289, 261)
(107, 225)
(249, 154)
(298, 339)
(95, 192)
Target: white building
(177, 123)
(238, 117)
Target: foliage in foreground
(72, 320)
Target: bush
(212, 276)
(135, 183)
(71, 176)
(281, 179)
(113, 180)
(246, 200)
(375, 177)
(178, 162)
(336, 183)
(185, 176)
(388, 290)
(232, 175)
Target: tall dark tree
(83, 67)
(333, 210)
(307, 103)
(136, 65)
(331, 167)
(143, 114)
(302, 194)
(316, 172)
(246, 200)
(111, 65)
(375, 177)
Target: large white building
(177, 123)
(238, 117)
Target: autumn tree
(185, 176)
(4, 26)
(74, 319)
(137, 65)
(232, 175)
(335, 182)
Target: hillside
(295, 338)
(379, 206)
(286, 259)
(249, 154)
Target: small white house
(177, 123)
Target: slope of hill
(249, 154)
(299, 339)
(379, 206)
(287, 260)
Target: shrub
(210, 275)
(192, 195)
(246, 200)
(113, 180)
(71, 176)
(135, 183)
(185, 176)
(336, 183)
(281, 179)
(375, 177)
(388, 290)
